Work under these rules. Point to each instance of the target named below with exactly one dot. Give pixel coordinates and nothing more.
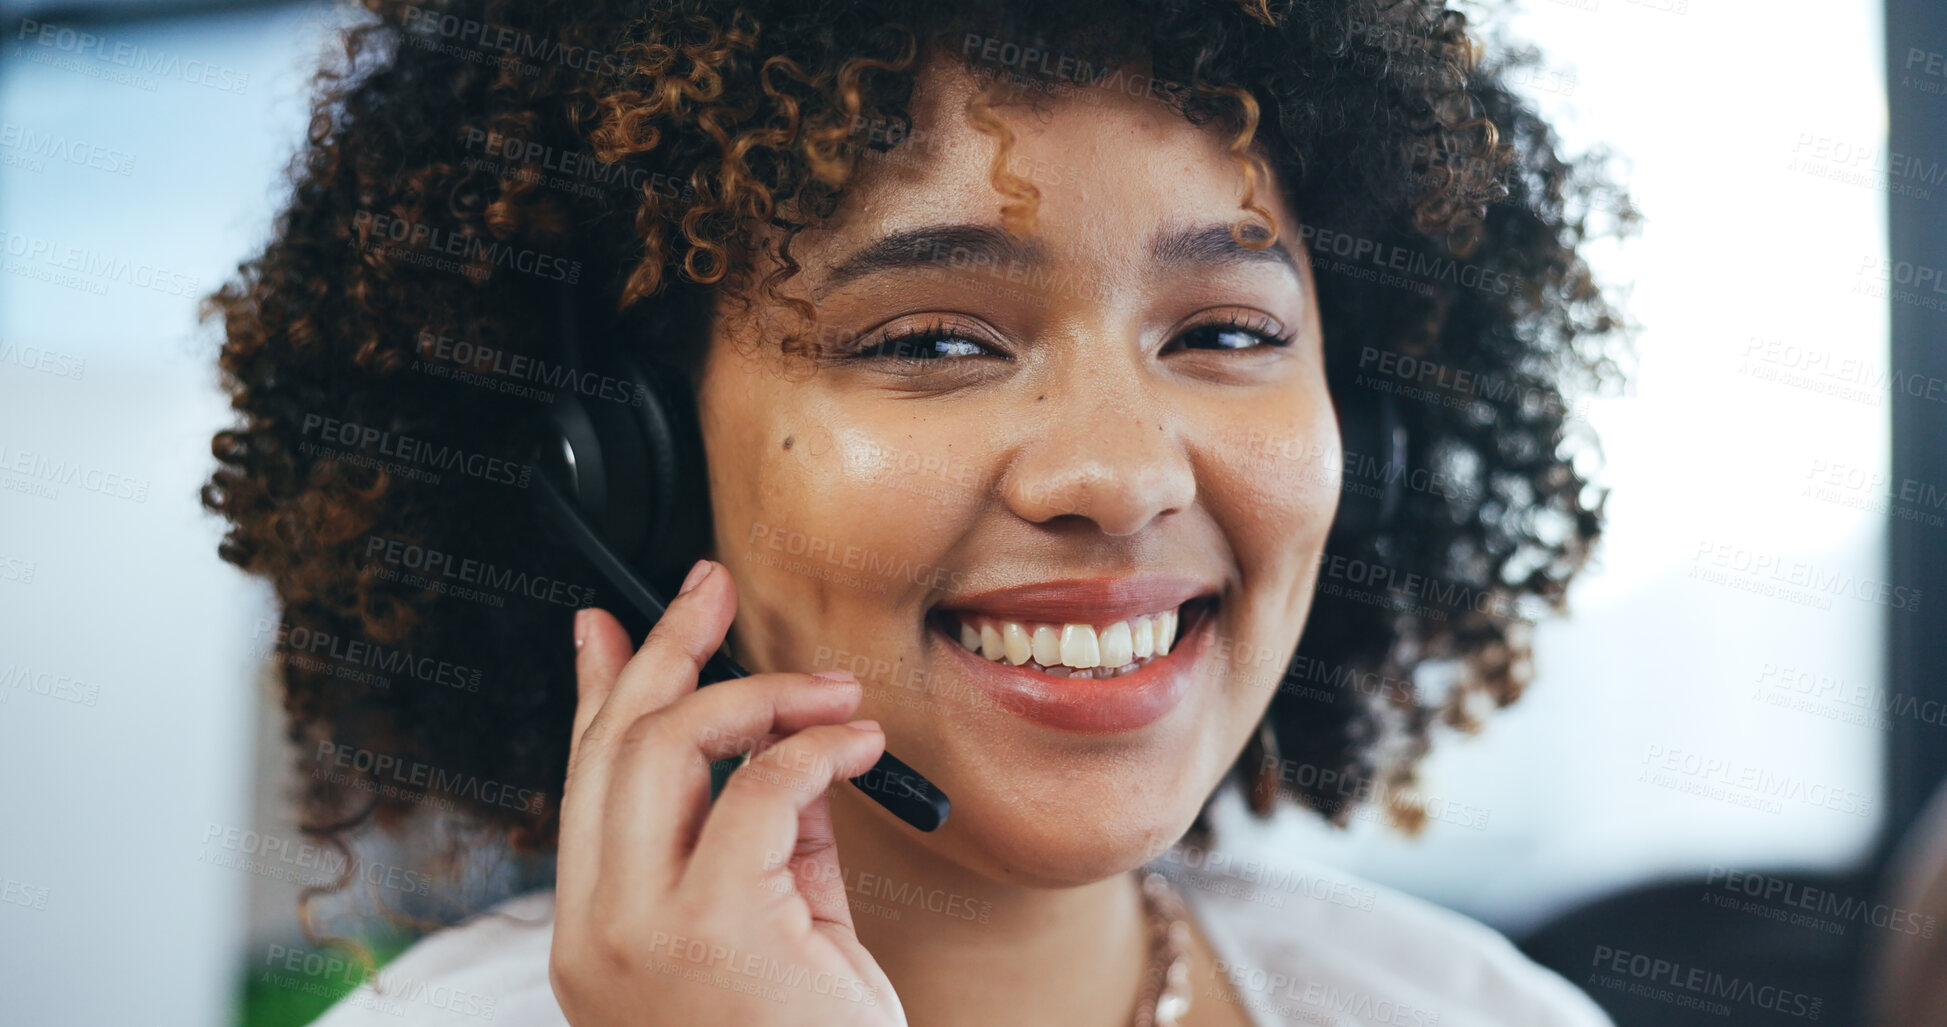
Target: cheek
(1274, 480)
(773, 530)
(1272, 483)
(846, 518)
(898, 500)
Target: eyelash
(888, 347)
(1258, 325)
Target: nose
(1104, 447)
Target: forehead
(1109, 169)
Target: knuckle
(579, 963)
(831, 698)
(578, 761)
(672, 639)
(731, 741)
(613, 946)
(847, 690)
(562, 978)
(702, 915)
(571, 783)
(595, 735)
(731, 714)
(798, 764)
(684, 907)
(649, 729)
(779, 883)
(757, 779)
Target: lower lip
(1090, 705)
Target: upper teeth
(1079, 646)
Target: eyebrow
(1208, 245)
(933, 245)
(970, 245)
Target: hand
(669, 910)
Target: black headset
(622, 481)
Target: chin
(1052, 819)
(1060, 811)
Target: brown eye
(1231, 335)
(1216, 337)
(939, 341)
(923, 346)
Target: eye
(922, 344)
(1233, 332)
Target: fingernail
(864, 725)
(581, 628)
(836, 675)
(696, 576)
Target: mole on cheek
(787, 441)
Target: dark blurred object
(1907, 982)
(80, 11)
(1680, 953)
(1916, 552)
(1908, 973)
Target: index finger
(601, 651)
(666, 667)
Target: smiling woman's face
(1045, 445)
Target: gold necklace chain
(1165, 994)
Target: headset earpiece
(1375, 442)
(627, 455)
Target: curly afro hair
(465, 158)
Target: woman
(1015, 339)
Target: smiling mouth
(1079, 650)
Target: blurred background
(1747, 689)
